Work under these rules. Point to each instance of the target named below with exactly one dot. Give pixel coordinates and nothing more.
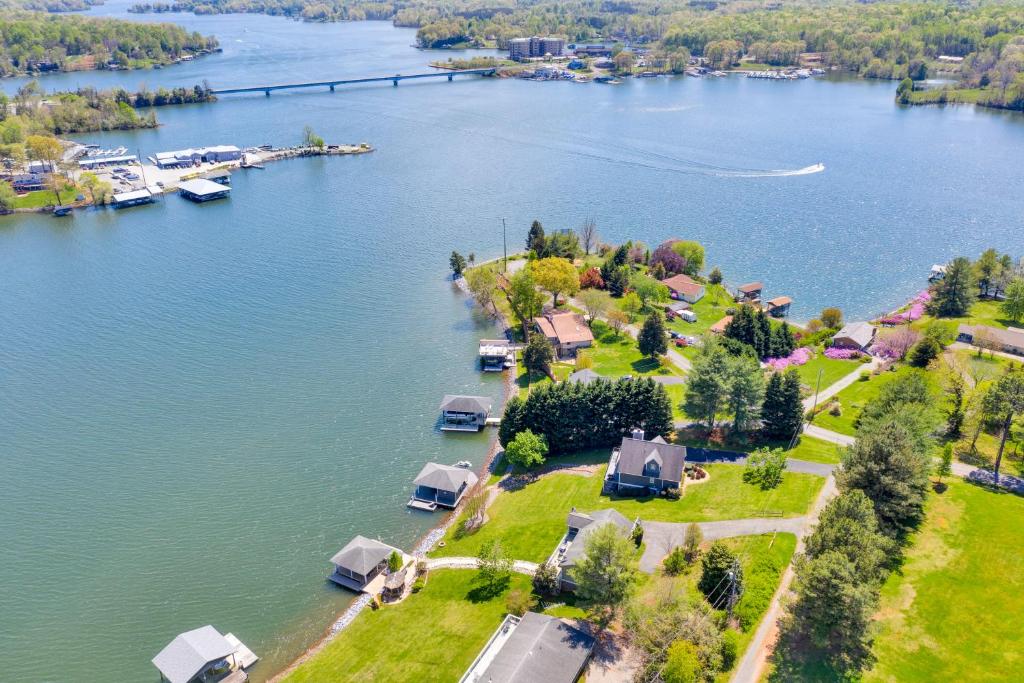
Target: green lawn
(530, 521)
(709, 310)
(39, 198)
(984, 312)
(676, 393)
(815, 450)
(433, 635)
(954, 611)
(853, 399)
(618, 355)
(831, 370)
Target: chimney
(638, 434)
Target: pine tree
(745, 393)
(511, 421)
(715, 582)
(707, 384)
(782, 341)
(782, 412)
(653, 340)
(535, 241)
(956, 291)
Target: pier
(267, 89)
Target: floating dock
(203, 190)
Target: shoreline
(426, 542)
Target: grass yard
(815, 450)
(852, 399)
(984, 312)
(39, 198)
(832, 370)
(954, 611)
(618, 355)
(710, 309)
(431, 636)
(531, 520)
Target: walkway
(828, 435)
(820, 469)
(661, 537)
(519, 566)
(846, 381)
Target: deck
(453, 427)
(417, 504)
(243, 655)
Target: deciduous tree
(556, 275)
(1013, 304)
(527, 450)
(606, 574)
(831, 317)
(538, 354)
(588, 235)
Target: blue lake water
(200, 404)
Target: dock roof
(202, 187)
(362, 554)
(751, 287)
(444, 477)
(465, 404)
(779, 301)
(190, 652)
(131, 196)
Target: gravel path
(828, 435)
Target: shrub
(638, 535)
(835, 409)
(675, 563)
(519, 602)
(417, 585)
(545, 579)
(673, 494)
(730, 648)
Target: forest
(36, 42)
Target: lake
(200, 404)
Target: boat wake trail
(779, 173)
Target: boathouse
(779, 306)
(464, 413)
(496, 355)
(531, 648)
(440, 485)
(202, 190)
(580, 526)
(203, 655)
(100, 162)
(749, 293)
(121, 200)
(360, 563)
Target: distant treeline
(50, 5)
(37, 42)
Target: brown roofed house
(1010, 340)
(719, 327)
(567, 332)
(684, 288)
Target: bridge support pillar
(267, 92)
(332, 87)
(450, 77)
(395, 82)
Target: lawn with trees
(432, 635)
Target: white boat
(464, 463)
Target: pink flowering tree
(895, 343)
(799, 356)
(836, 353)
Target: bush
(545, 579)
(673, 494)
(835, 409)
(675, 563)
(730, 648)
(417, 585)
(638, 535)
(519, 602)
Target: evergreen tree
(653, 340)
(715, 582)
(538, 354)
(715, 276)
(848, 525)
(511, 421)
(606, 573)
(707, 384)
(535, 241)
(782, 342)
(924, 352)
(762, 335)
(782, 412)
(956, 291)
(457, 263)
(884, 464)
(745, 392)
(617, 280)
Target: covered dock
(202, 190)
(121, 200)
(496, 355)
(100, 162)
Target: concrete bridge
(267, 89)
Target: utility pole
(504, 246)
(732, 586)
(817, 386)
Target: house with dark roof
(443, 485)
(1010, 340)
(567, 332)
(580, 526)
(360, 562)
(203, 655)
(639, 467)
(464, 413)
(532, 648)
(684, 288)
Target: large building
(535, 46)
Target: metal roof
(362, 554)
(131, 196)
(587, 524)
(190, 652)
(466, 404)
(202, 187)
(541, 648)
(444, 477)
(584, 376)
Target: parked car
(681, 343)
(673, 334)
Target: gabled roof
(466, 404)
(567, 328)
(584, 376)
(635, 453)
(444, 477)
(751, 287)
(1011, 336)
(779, 301)
(588, 524)
(190, 652)
(362, 554)
(861, 333)
(683, 283)
(541, 648)
(719, 327)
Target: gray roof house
(584, 376)
(203, 655)
(531, 648)
(360, 562)
(442, 485)
(639, 467)
(580, 526)
(858, 336)
(464, 413)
